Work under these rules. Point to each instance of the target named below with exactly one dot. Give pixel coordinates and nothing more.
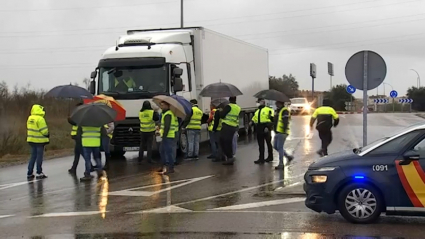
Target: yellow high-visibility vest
(90, 136)
(266, 112)
(146, 122)
(173, 127)
(232, 118)
(279, 127)
(37, 130)
(195, 120)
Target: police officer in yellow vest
(37, 138)
(169, 128)
(263, 119)
(91, 138)
(148, 118)
(230, 116)
(281, 128)
(326, 118)
(193, 127)
(77, 148)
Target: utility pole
(181, 14)
(331, 73)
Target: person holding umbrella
(37, 137)
(263, 119)
(78, 150)
(230, 116)
(193, 126)
(169, 125)
(147, 117)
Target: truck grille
(127, 135)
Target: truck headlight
(319, 178)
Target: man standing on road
(169, 129)
(193, 127)
(91, 142)
(37, 137)
(230, 116)
(326, 118)
(263, 119)
(281, 127)
(211, 133)
(147, 117)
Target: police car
(384, 176)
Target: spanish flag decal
(412, 178)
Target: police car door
(410, 168)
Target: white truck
(177, 61)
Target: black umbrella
(69, 91)
(93, 114)
(272, 95)
(218, 90)
(219, 101)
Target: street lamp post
(418, 79)
(181, 13)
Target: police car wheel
(360, 203)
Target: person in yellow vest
(148, 118)
(326, 118)
(216, 128)
(169, 128)
(263, 119)
(230, 116)
(211, 133)
(37, 137)
(107, 133)
(281, 128)
(124, 84)
(77, 148)
(91, 138)
(193, 128)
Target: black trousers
(226, 140)
(146, 140)
(78, 150)
(267, 137)
(326, 138)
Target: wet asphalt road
(201, 200)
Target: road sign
(330, 69)
(365, 70)
(380, 101)
(313, 70)
(393, 94)
(351, 89)
(408, 101)
(376, 70)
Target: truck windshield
(133, 82)
(299, 101)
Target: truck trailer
(177, 61)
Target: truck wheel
(182, 144)
(117, 154)
(360, 203)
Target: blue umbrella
(69, 91)
(185, 103)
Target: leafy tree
(285, 84)
(418, 97)
(338, 96)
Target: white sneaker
(40, 176)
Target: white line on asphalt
(259, 204)
(288, 186)
(168, 209)
(68, 214)
(6, 216)
(11, 185)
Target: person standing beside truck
(106, 140)
(147, 117)
(211, 133)
(91, 142)
(169, 125)
(263, 119)
(230, 116)
(78, 150)
(217, 126)
(37, 137)
(193, 127)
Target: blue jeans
(87, 153)
(279, 142)
(213, 143)
(167, 151)
(37, 152)
(193, 138)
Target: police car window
(420, 148)
(396, 145)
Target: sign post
(331, 73)
(313, 76)
(365, 70)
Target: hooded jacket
(37, 130)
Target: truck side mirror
(177, 72)
(178, 84)
(93, 75)
(92, 87)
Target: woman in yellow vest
(281, 128)
(37, 137)
(169, 127)
(77, 148)
(148, 118)
(193, 127)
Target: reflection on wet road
(201, 200)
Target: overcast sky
(51, 42)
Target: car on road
(386, 176)
(300, 106)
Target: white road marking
(68, 214)
(288, 186)
(6, 216)
(11, 185)
(259, 204)
(131, 193)
(168, 209)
